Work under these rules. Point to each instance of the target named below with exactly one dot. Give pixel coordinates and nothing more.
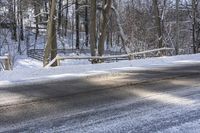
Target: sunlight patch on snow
(188, 61)
(98, 72)
(162, 97)
(65, 76)
(130, 68)
(4, 82)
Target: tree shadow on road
(23, 103)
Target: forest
(42, 29)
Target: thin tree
(59, 15)
(66, 17)
(86, 24)
(21, 21)
(12, 10)
(177, 27)
(77, 25)
(36, 11)
(158, 23)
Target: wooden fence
(129, 56)
(39, 53)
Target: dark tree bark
(12, 11)
(21, 21)
(59, 15)
(46, 8)
(104, 24)
(86, 24)
(66, 18)
(77, 25)
(194, 25)
(92, 29)
(177, 27)
(158, 23)
(36, 11)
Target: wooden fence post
(7, 62)
(130, 57)
(58, 62)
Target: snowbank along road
(156, 100)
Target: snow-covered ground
(30, 71)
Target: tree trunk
(104, 24)
(124, 38)
(177, 28)
(59, 16)
(14, 24)
(36, 11)
(86, 25)
(194, 36)
(158, 23)
(77, 26)
(92, 29)
(46, 9)
(72, 28)
(66, 19)
(21, 21)
(51, 47)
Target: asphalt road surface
(156, 100)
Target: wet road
(156, 100)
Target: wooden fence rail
(39, 53)
(129, 56)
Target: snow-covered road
(163, 99)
